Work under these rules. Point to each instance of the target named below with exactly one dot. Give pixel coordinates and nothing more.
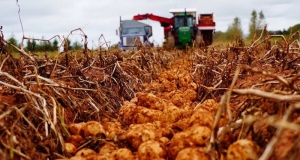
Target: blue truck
(132, 32)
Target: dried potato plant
(41, 96)
(261, 101)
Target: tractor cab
(184, 26)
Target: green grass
(52, 54)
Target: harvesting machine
(182, 29)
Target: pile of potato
(163, 122)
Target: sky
(47, 18)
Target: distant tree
(294, 28)
(252, 25)
(219, 36)
(77, 45)
(261, 21)
(31, 45)
(69, 45)
(47, 46)
(55, 44)
(12, 41)
(235, 29)
(257, 23)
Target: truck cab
(132, 32)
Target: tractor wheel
(170, 41)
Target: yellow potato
(151, 150)
(77, 158)
(189, 95)
(113, 129)
(85, 152)
(202, 117)
(164, 141)
(177, 143)
(107, 148)
(76, 128)
(243, 150)
(171, 114)
(139, 115)
(139, 133)
(93, 128)
(70, 148)
(123, 153)
(75, 139)
(200, 135)
(192, 153)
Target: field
(219, 102)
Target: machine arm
(165, 22)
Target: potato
(177, 99)
(90, 157)
(123, 153)
(93, 128)
(184, 80)
(202, 117)
(133, 114)
(76, 128)
(189, 95)
(171, 114)
(180, 125)
(77, 158)
(193, 86)
(191, 137)
(70, 148)
(139, 133)
(177, 143)
(200, 135)
(85, 152)
(164, 141)
(211, 105)
(107, 148)
(167, 86)
(243, 149)
(113, 129)
(204, 113)
(151, 150)
(97, 157)
(192, 153)
(138, 115)
(75, 139)
(149, 100)
(168, 75)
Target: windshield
(133, 30)
(179, 21)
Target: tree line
(256, 25)
(42, 46)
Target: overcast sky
(47, 18)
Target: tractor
(181, 30)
